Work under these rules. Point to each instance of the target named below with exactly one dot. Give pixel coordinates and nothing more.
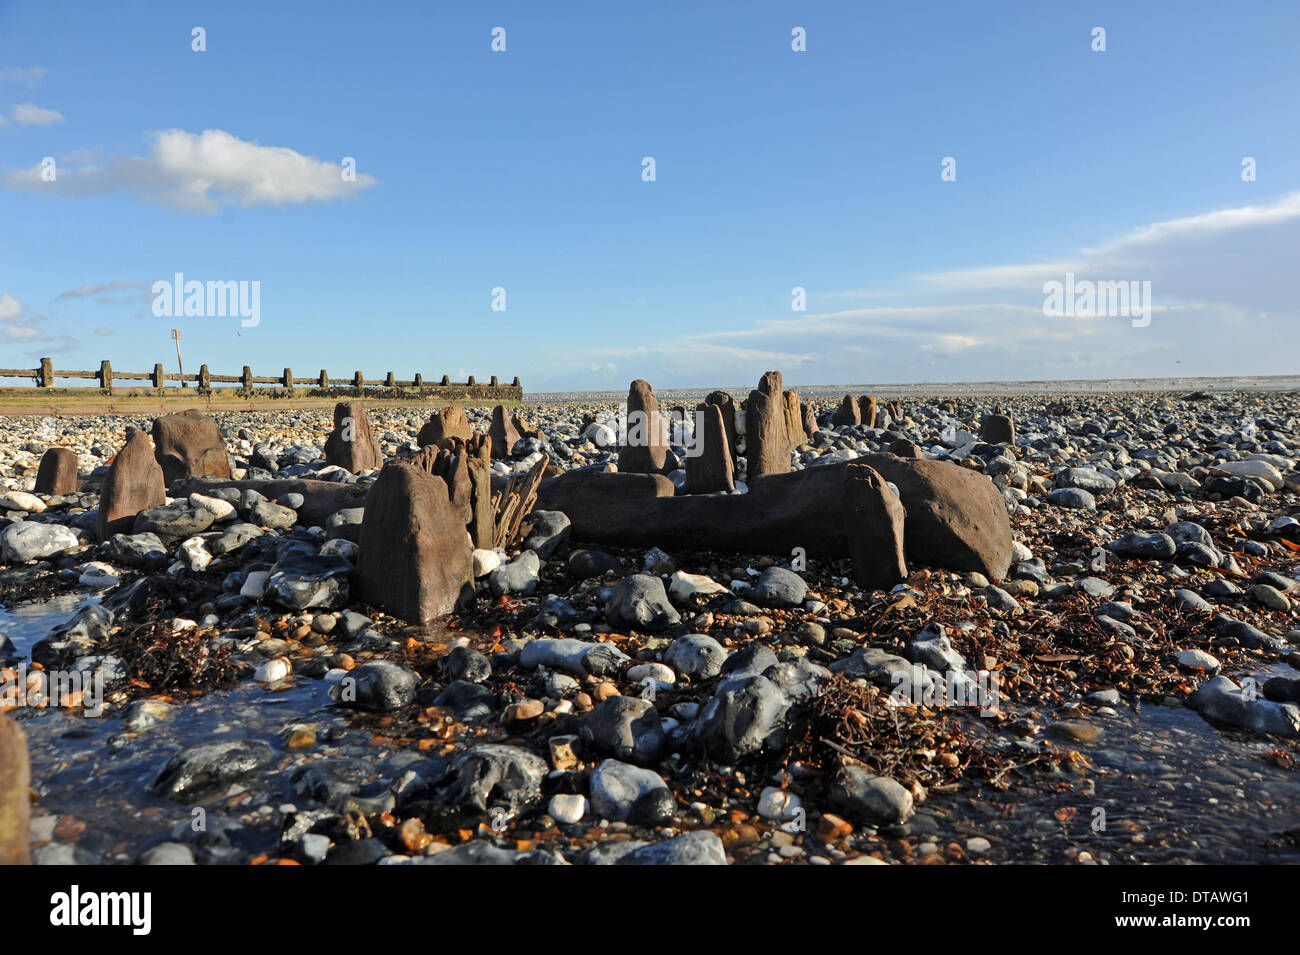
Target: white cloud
(10, 307)
(28, 114)
(106, 293)
(201, 172)
(1222, 303)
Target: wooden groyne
(130, 388)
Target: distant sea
(1100, 386)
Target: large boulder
(416, 556)
(955, 516)
(877, 516)
(448, 422)
(58, 472)
(134, 483)
(352, 445)
(189, 444)
(646, 451)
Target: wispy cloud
(106, 293)
(20, 325)
(1222, 284)
(29, 114)
(202, 172)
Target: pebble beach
(1133, 658)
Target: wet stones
(1072, 498)
(745, 715)
(302, 581)
(352, 445)
(15, 803)
(625, 727)
(548, 532)
(572, 656)
(491, 778)
(766, 441)
(189, 444)
(713, 468)
(698, 847)
(646, 450)
(696, 655)
(876, 517)
(1144, 546)
(172, 523)
(778, 587)
(518, 577)
(998, 429)
(1223, 700)
(416, 557)
(503, 433)
(379, 685)
(57, 473)
(199, 772)
(30, 540)
(449, 422)
(877, 800)
(625, 793)
(134, 483)
(640, 602)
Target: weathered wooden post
(390, 381)
(515, 383)
(246, 380)
(15, 801)
(471, 381)
(419, 383)
(106, 376)
(47, 373)
(288, 381)
(446, 380)
(159, 376)
(494, 381)
(205, 378)
(359, 382)
(324, 380)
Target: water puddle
(1164, 785)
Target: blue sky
(775, 169)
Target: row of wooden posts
(46, 375)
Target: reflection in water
(1164, 786)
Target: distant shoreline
(1100, 386)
